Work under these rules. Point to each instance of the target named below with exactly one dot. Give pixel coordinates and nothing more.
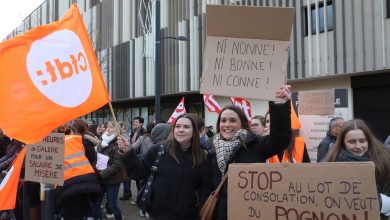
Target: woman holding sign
(356, 142)
(236, 143)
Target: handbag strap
(224, 177)
(153, 171)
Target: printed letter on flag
(9, 185)
(48, 77)
(180, 110)
(211, 104)
(244, 105)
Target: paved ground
(129, 211)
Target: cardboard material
(45, 160)
(302, 191)
(246, 51)
(316, 102)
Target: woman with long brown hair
(182, 178)
(356, 142)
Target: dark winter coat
(11, 152)
(346, 156)
(257, 150)
(178, 189)
(79, 186)
(140, 133)
(89, 143)
(325, 145)
(112, 174)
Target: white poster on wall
(314, 127)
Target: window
(387, 8)
(321, 16)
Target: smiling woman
(181, 174)
(236, 143)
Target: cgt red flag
(244, 104)
(9, 185)
(180, 110)
(211, 104)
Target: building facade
(335, 44)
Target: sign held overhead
(246, 51)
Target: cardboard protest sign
(316, 102)
(45, 159)
(246, 51)
(302, 191)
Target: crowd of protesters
(182, 163)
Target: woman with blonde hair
(109, 169)
(356, 142)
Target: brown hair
(377, 151)
(198, 155)
(241, 115)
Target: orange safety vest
(297, 153)
(75, 163)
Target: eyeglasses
(255, 124)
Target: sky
(12, 13)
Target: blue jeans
(111, 191)
(127, 186)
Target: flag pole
(112, 112)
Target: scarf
(106, 139)
(345, 156)
(226, 149)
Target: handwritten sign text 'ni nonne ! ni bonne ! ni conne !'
(246, 52)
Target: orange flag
(9, 185)
(48, 77)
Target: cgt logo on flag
(48, 77)
(211, 104)
(55, 69)
(180, 110)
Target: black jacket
(83, 185)
(112, 174)
(324, 146)
(258, 150)
(178, 189)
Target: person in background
(183, 178)
(331, 135)
(202, 132)
(210, 131)
(136, 132)
(160, 133)
(81, 187)
(110, 173)
(296, 151)
(141, 146)
(100, 130)
(267, 124)
(236, 143)
(356, 143)
(258, 124)
(90, 141)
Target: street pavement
(129, 211)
